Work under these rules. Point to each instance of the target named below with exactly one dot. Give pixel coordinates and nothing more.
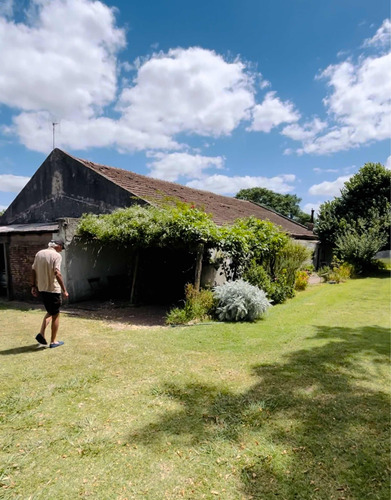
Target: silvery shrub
(240, 301)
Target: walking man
(48, 284)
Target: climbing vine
(184, 225)
(149, 226)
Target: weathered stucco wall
(96, 271)
(62, 187)
(93, 270)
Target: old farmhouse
(64, 188)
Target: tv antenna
(54, 133)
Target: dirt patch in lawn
(119, 315)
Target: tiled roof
(224, 209)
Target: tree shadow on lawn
(318, 432)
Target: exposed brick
(22, 250)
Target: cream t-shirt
(45, 263)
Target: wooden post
(198, 269)
(135, 269)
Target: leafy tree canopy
(285, 204)
(364, 204)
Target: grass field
(296, 406)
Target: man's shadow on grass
(318, 413)
(23, 350)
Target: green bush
(280, 289)
(257, 275)
(276, 289)
(291, 258)
(276, 272)
(358, 246)
(382, 264)
(198, 307)
(248, 239)
(177, 316)
(338, 271)
(301, 282)
(240, 301)
(310, 268)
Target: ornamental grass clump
(240, 301)
(198, 306)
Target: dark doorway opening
(163, 274)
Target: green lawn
(296, 406)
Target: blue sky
(292, 95)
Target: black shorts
(52, 302)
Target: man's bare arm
(34, 289)
(61, 282)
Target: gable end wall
(63, 187)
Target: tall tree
(361, 215)
(285, 204)
(365, 196)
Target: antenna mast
(54, 133)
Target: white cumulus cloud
(12, 183)
(321, 170)
(271, 113)
(36, 131)
(328, 188)
(188, 90)
(191, 91)
(382, 37)
(65, 62)
(172, 166)
(61, 65)
(304, 132)
(358, 104)
(223, 184)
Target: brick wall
(22, 250)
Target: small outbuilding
(65, 187)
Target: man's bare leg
(55, 325)
(45, 322)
